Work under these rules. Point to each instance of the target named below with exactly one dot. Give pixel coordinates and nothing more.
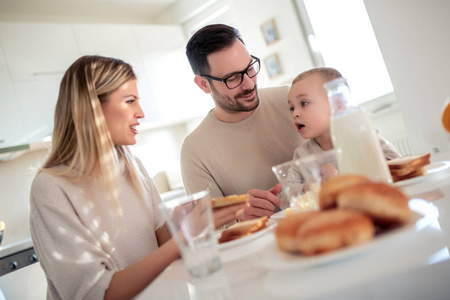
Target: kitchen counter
(12, 248)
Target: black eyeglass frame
(243, 72)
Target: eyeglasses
(235, 79)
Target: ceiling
(83, 10)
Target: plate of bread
(244, 232)
(280, 215)
(355, 214)
(412, 169)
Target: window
(340, 36)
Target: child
(308, 102)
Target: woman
(94, 219)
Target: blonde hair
(81, 139)
(327, 73)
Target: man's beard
(233, 105)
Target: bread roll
(334, 229)
(384, 203)
(286, 230)
(330, 188)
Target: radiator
(402, 145)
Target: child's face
(308, 103)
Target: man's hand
(227, 214)
(261, 203)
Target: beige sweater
(78, 238)
(231, 158)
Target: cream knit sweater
(78, 238)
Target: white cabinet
(37, 50)
(36, 56)
(119, 41)
(10, 115)
(169, 72)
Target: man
(247, 132)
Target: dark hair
(207, 40)
(327, 73)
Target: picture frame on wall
(273, 66)
(269, 31)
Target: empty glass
(316, 168)
(301, 178)
(190, 222)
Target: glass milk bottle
(358, 149)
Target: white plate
(433, 169)
(275, 259)
(270, 225)
(279, 215)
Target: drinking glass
(293, 183)
(316, 168)
(191, 224)
(301, 178)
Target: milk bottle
(358, 149)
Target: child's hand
(328, 171)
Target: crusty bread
(384, 203)
(241, 229)
(229, 200)
(409, 161)
(408, 166)
(333, 229)
(286, 230)
(330, 188)
(416, 173)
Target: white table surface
(411, 263)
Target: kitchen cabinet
(36, 51)
(9, 113)
(169, 73)
(119, 41)
(35, 56)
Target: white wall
(247, 16)
(291, 49)
(415, 43)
